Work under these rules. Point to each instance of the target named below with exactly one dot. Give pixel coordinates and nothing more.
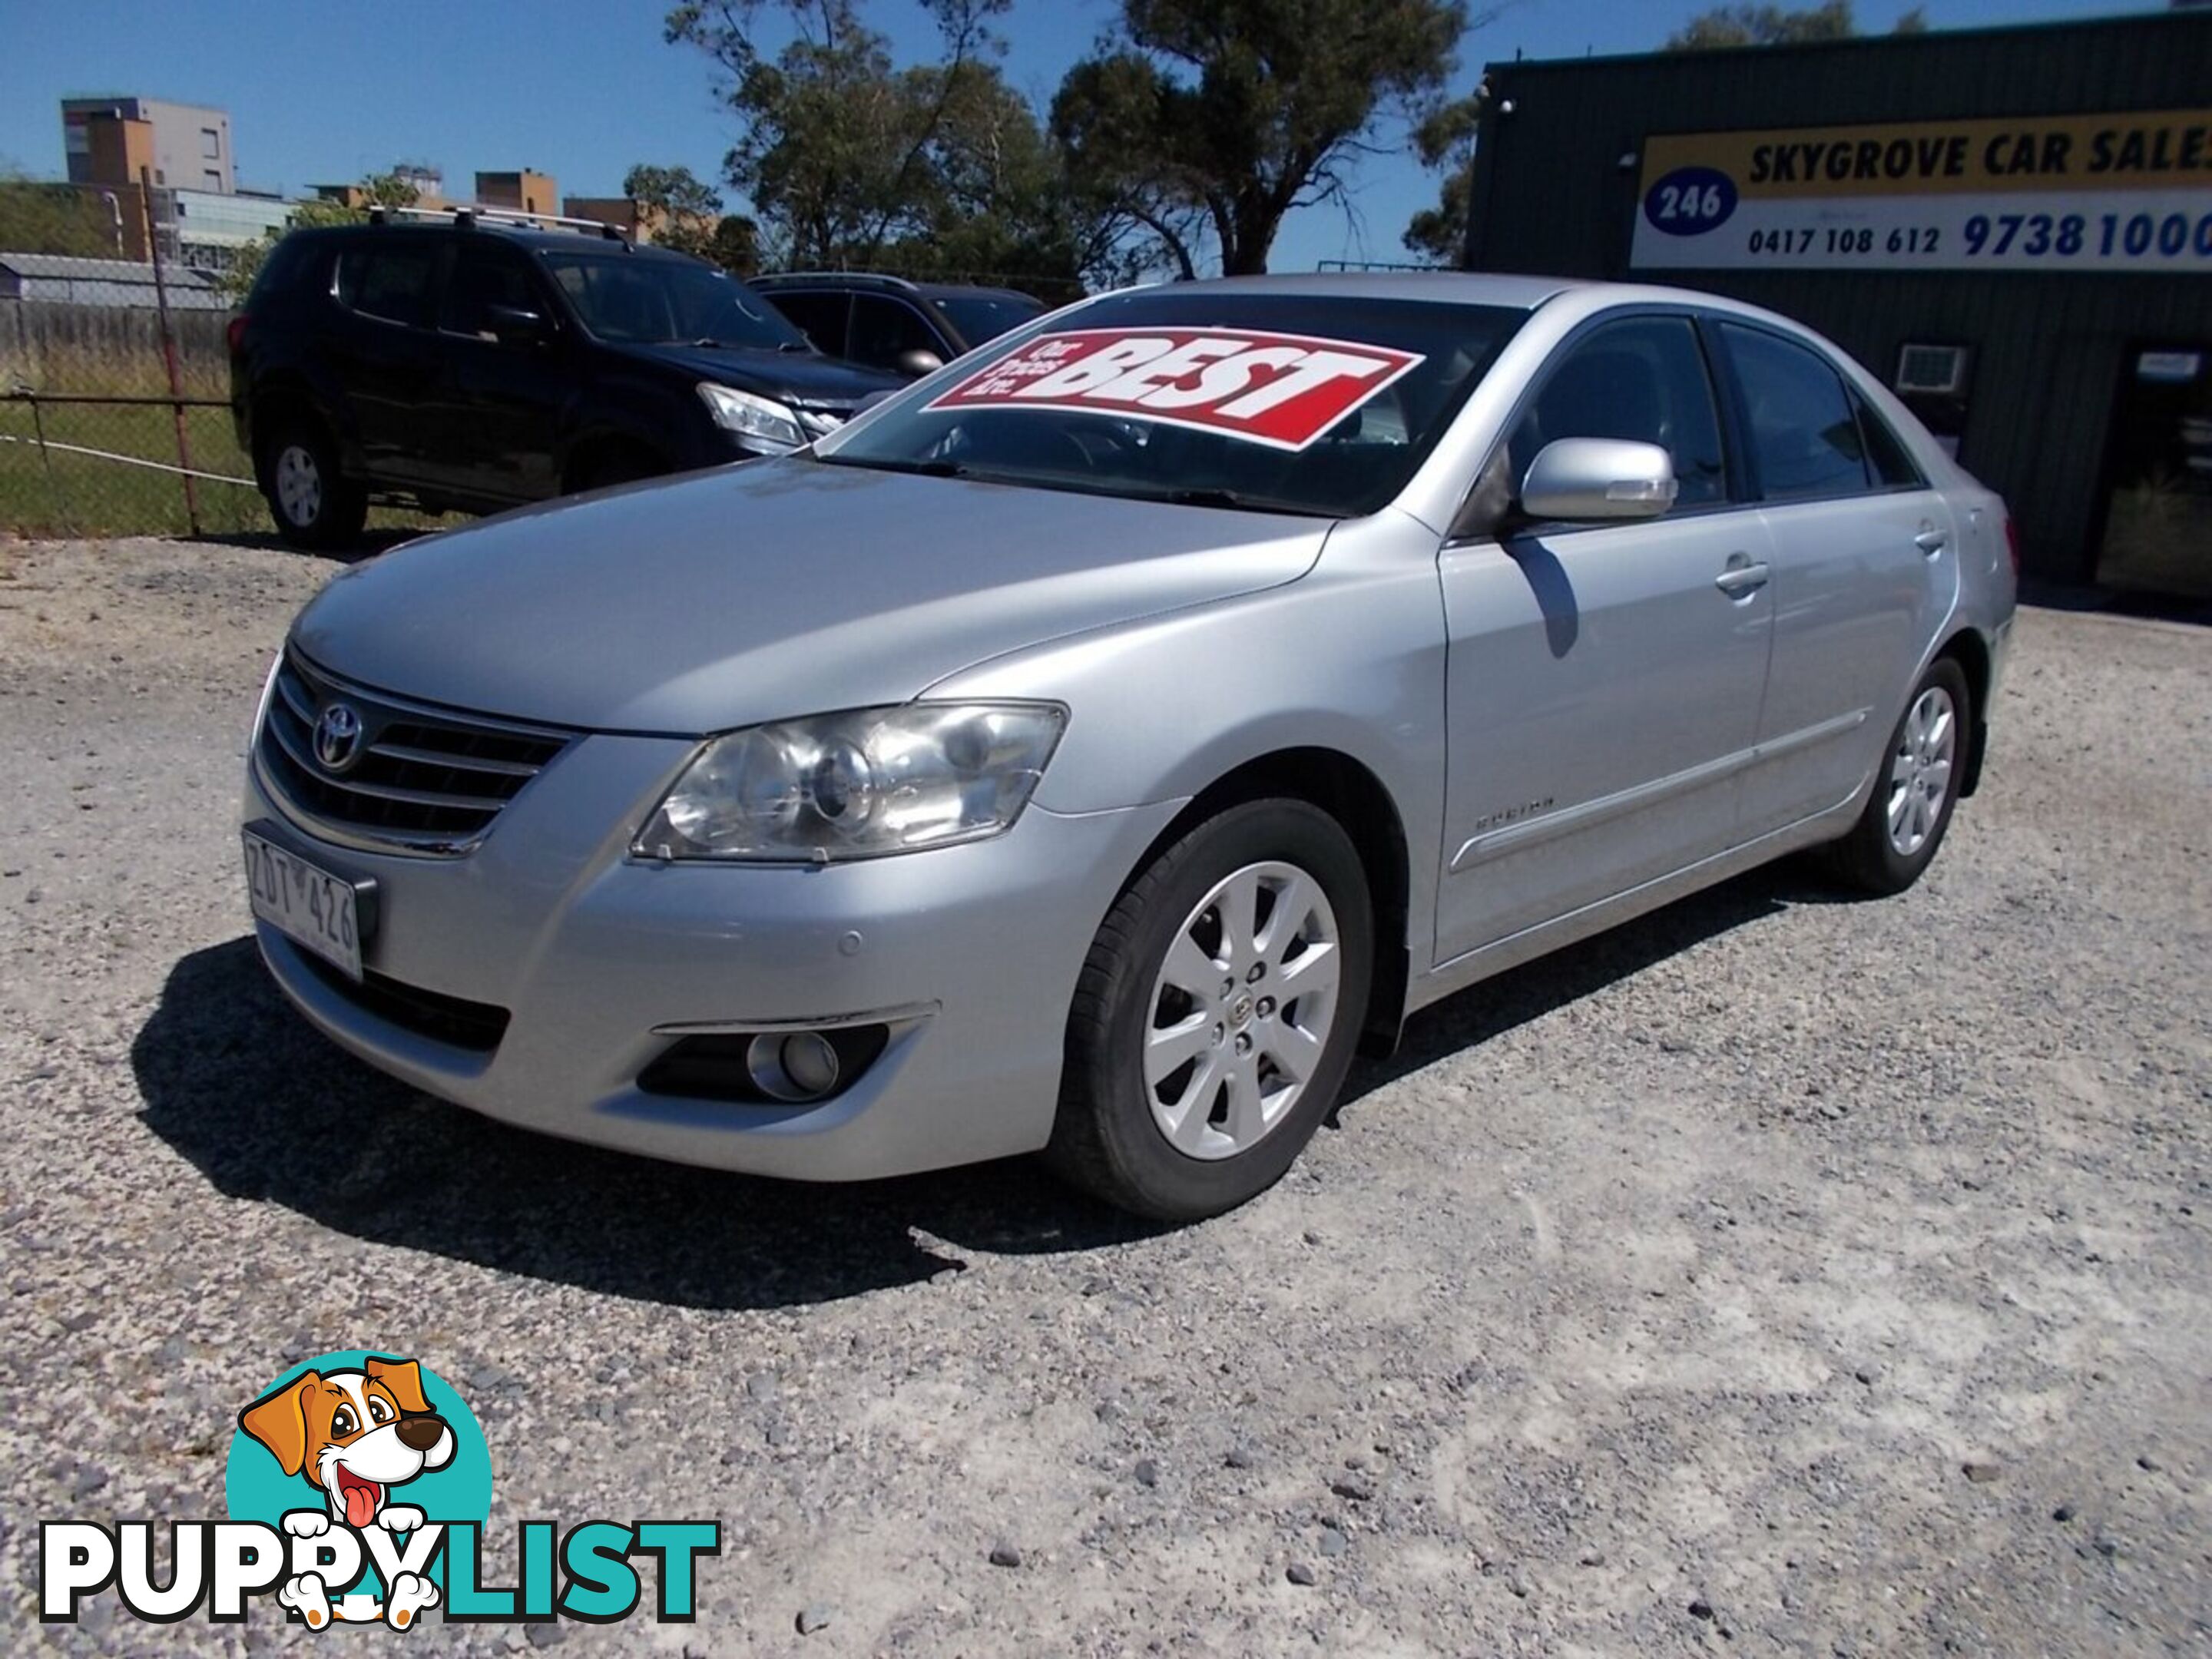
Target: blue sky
(325, 90)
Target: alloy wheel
(299, 484)
(1920, 772)
(1242, 1010)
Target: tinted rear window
(385, 280)
(981, 317)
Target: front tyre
(1217, 1014)
(1903, 823)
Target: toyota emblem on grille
(337, 737)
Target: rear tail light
(2012, 544)
(234, 336)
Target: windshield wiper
(936, 469)
(1241, 503)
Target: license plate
(314, 908)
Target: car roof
(883, 282)
(1441, 287)
(613, 247)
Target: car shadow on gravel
(373, 542)
(1494, 1006)
(268, 1109)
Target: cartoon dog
(355, 1435)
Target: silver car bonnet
(775, 589)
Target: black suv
(887, 322)
(465, 364)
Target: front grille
(409, 777)
(454, 1021)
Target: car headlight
(856, 786)
(761, 419)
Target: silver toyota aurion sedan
(1087, 749)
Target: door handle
(1931, 542)
(1741, 578)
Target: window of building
(211, 180)
(1643, 379)
(1804, 434)
(212, 143)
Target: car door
(499, 420)
(1604, 681)
(382, 352)
(1865, 570)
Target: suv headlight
(856, 786)
(761, 419)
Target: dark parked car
(886, 322)
(465, 363)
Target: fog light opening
(801, 1068)
(797, 1067)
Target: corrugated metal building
(2012, 226)
(63, 279)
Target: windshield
(1300, 403)
(981, 317)
(635, 302)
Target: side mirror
(917, 363)
(510, 326)
(1583, 480)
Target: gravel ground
(1810, 1277)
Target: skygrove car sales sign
(2076, 192)
(1281, 389)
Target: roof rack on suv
(881, 278)
(464, 217)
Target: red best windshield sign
(1281, 389)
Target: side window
(884, 330)
(1893, 462)
(483, 277)
(819, 316)
(1644, 378)
(1804, 433)
(385, 281)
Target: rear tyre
(1217, 1014)
(1896, 836)
(313, 505)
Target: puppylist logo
(358, 1487)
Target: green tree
(383, 190)
(833, 141)
(1445, 141)
(44, 218)
(1776, 26)
(1235, 111)
(685, 214)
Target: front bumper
(977, 947)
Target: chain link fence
(93, 442)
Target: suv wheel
(312, 504)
